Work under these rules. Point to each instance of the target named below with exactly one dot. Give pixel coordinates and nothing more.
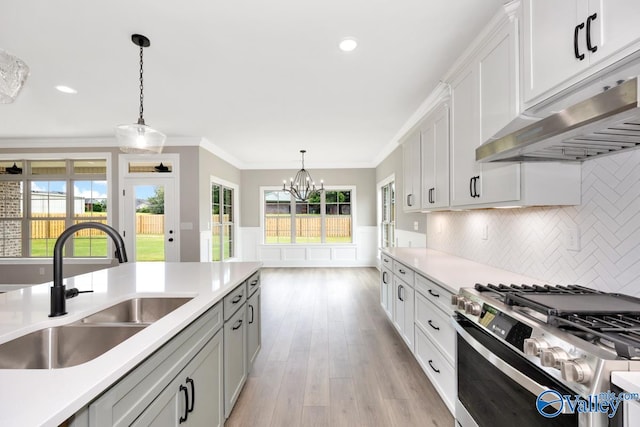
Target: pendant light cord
(141, 118)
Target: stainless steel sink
(84, 340)
(136, 310)
(63, 346)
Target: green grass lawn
(148, 247)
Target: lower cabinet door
(254, 338)
(235, 358)
(439, 370)
(194, 397)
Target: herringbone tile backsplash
(535, 242)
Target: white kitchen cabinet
(566, 41)
(194, 397)
(435, 158)
(254, 336)
(411, 174)
(441, 373)
(235, 357)
(195, 352)
(403, 308)
(484, 99)
(386, 291)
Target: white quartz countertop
(627, 381)
(452, 272)
(34, 397)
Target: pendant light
(13, 73)
(138, 137)
(302, 186)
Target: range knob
(577, 371)
(553, 357)
(462, 301)
(455, 299)
(473, 308)
(533, 346)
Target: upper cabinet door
(615, 28)
(435, 159)
(569, 40)
(550, 28)
(411, 165)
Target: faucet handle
(73, 292)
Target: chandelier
(13, 73)
(302, 186)
(138, 137)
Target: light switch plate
(573, 238)
(416, 226)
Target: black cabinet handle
(384, 277)
(401, 271)
(193, 394)
(409, 199)
(475, 186)
(589, 20)
(236, 299)
(432, 325)
(237, 325)
(434, 294)
(431, 198)
(437, 371)
(576, 49)
(400, 292)
(251, 307)
(471, 186)
(186, 404)
(253, 283)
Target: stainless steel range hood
(602, 124)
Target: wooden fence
(280, 226)
(51, 228)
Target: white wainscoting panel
(536, 241)
(362, 253)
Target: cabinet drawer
(436, 325)
(403, 272)
(253, 283)
(386, 261)
(234, 300)
(440, 372)
(435, 293)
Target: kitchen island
(31, 397)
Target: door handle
(437, 328)
(171, 239)
(384, 277)
(186, 404)
(475, 186)
(589, 20)
(437, 371)
(251, 321)
(409, 199)
(471, 186)
(193, 394)
(237, 325)
(576, 49)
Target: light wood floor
(330, 357)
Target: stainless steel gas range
(543, 355)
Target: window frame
(234, 224)
(292, 213)
(389, 181)
(69, 177)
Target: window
(39, 199)
(388, 210)
(324, 218)
(222, 222)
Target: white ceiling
(258, 79)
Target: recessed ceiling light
(348, 44)
(66, 89)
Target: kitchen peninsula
(51, 396)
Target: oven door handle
(517, 376)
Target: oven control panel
(506, 328)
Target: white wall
(534, 241)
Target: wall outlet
(573, 238)
(416, 226)
(485, 232)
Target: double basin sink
(79, 342)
